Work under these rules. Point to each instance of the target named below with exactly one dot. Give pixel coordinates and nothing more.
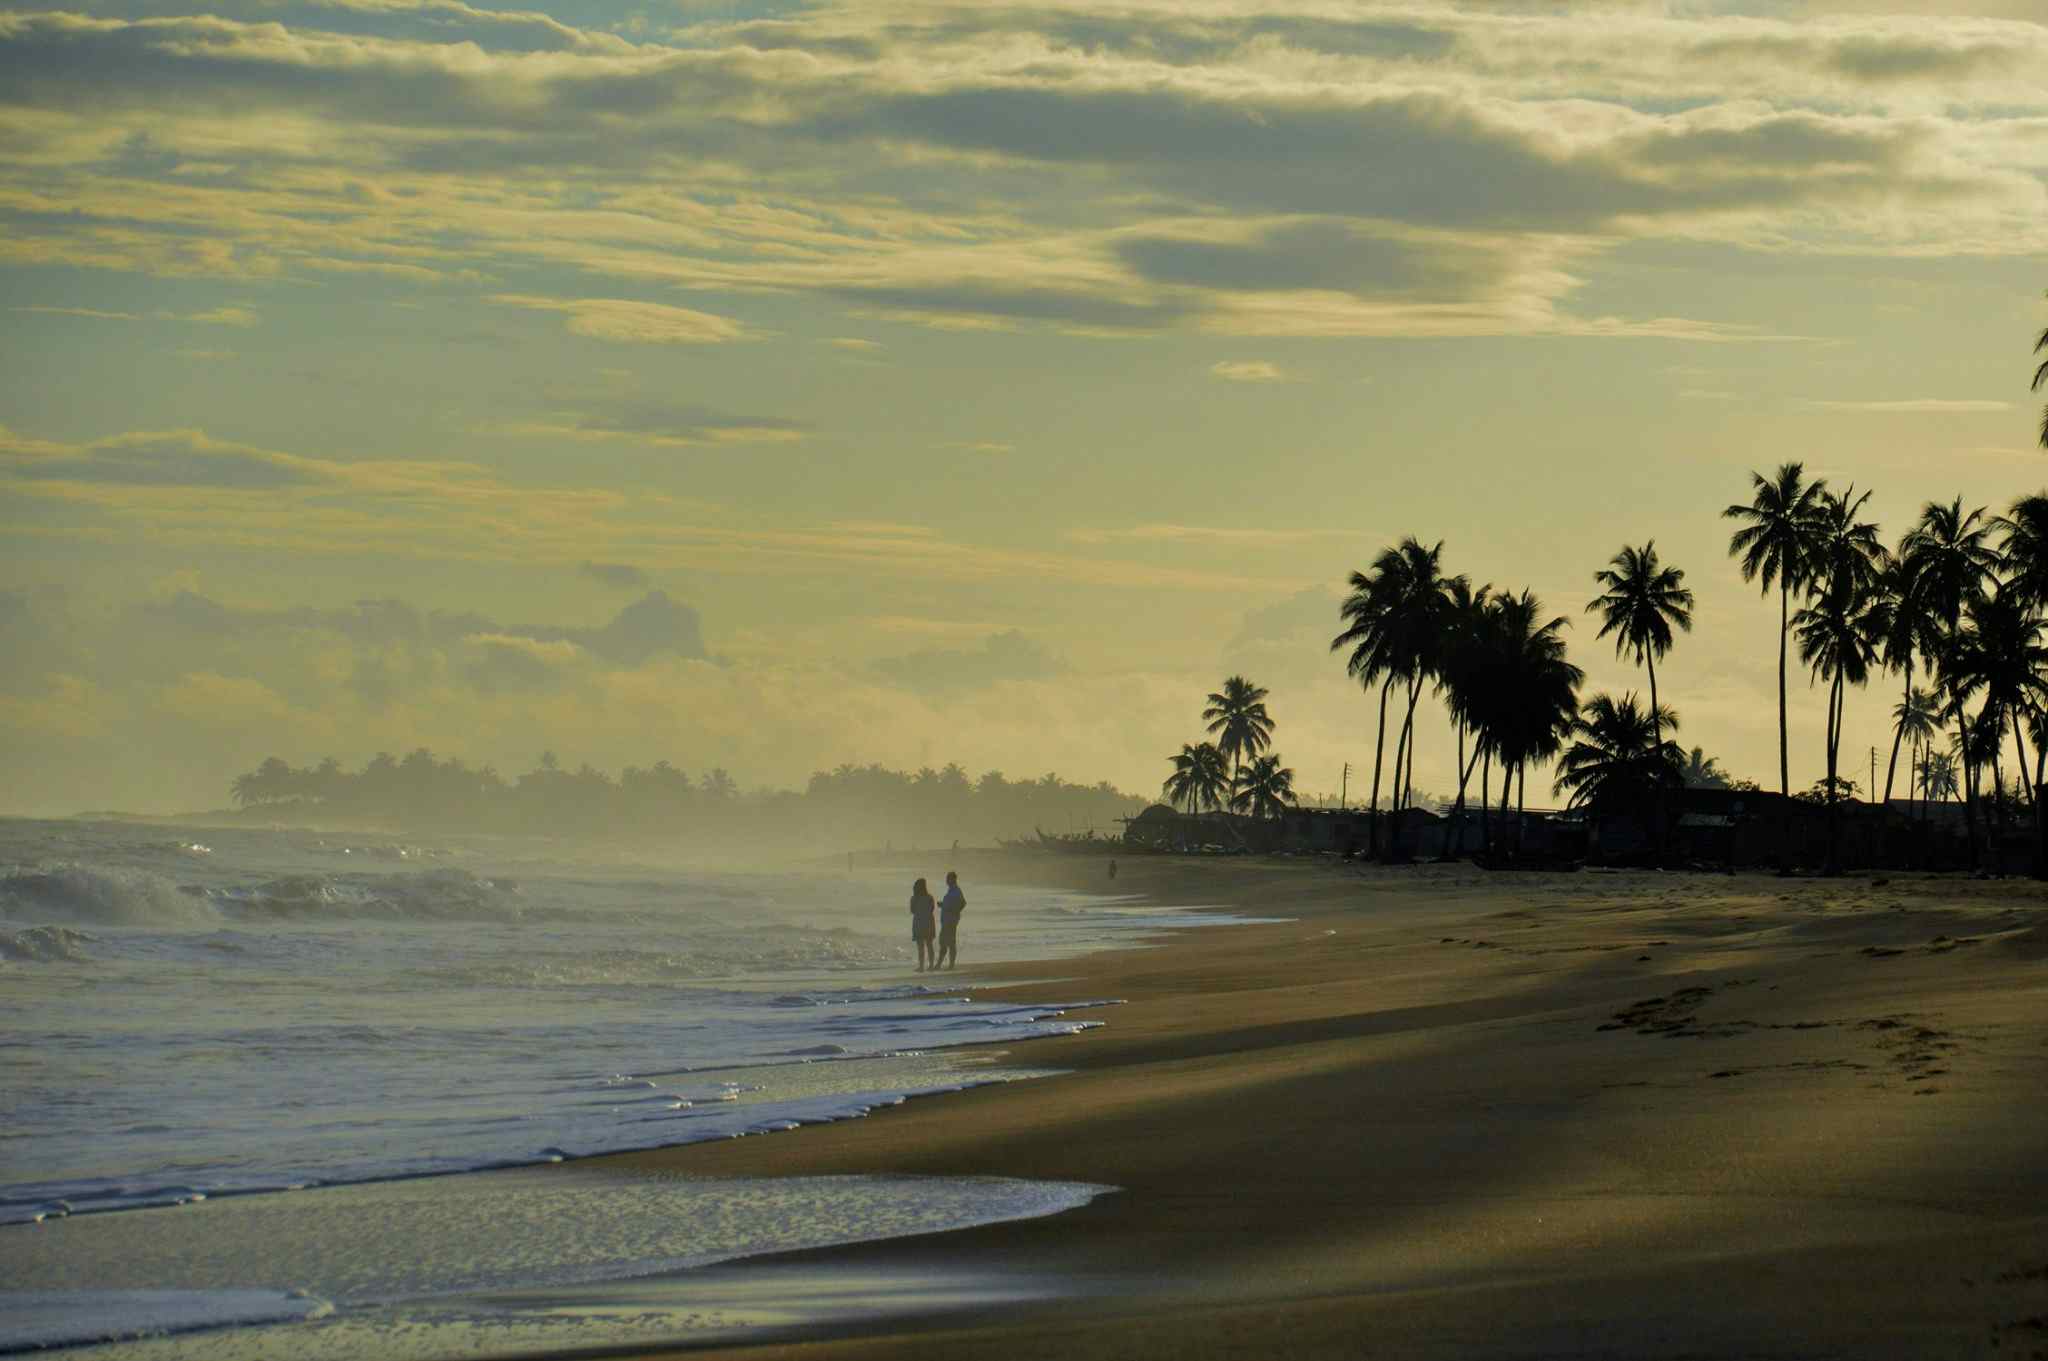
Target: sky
(775, 385)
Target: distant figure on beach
(1112, 869)
(950, 908)
(922, 930)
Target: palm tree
(1938, 777)
(2000, 652)
(1619, 755)
(2040, 377)
(1459, 674)
(2023, 556)
(1838, 635)
(1952, 559)
(1777, 544)
(1181, 785)
(1396, 618)
(1904, 636)
(1702, 771)
(1211, 776)
(1917, 717)
(1529, 694)
(1639, 605)
(1264, 788)
(1237, 714)
(1369, 635)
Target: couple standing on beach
(947, 910)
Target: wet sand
(1447, 1113)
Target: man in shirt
(950, 908)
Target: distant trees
(861, 804)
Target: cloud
(1933, 406)
(178, 458)
(1002, 657)
(1235, 168)
(616, 574)
(634, 323)
(620, 416)
(214, 316)
(855, 344)
(1232, 536)
(1247, 371)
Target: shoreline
(1469, 1114)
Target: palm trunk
(1379, 749)
(1969, 782)
(1452, 852)
(1521, 808)
(1657, 746)
(1898, 732)
(1834, 864)
(1784, 630)
(1404, 766)
(1507, 789)
(1485, 797)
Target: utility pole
(1344, 790)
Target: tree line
(850, 805)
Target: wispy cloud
(1223, 535)
(1931, 406)
(629, 322)
(213, 316)
(1247, 371)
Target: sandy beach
(1445, 1113)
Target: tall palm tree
(1953, 560)
(1459, 675)
(1639, 604)
(1369, 635)
(1530, 693)
(1395, 618)
(1264, 788)
(1237, 716)
(1906, 634)
(1619, 756)
(2023, 556)
(1777, 544)
(2000, 653)
(1838, 636)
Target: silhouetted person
(1112, 869)
(921, 928)
(950, 908)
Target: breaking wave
(101, 897)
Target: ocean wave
(100, 897)
(44, 945)
(429, 895)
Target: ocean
(191, 1016)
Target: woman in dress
(923, 924)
